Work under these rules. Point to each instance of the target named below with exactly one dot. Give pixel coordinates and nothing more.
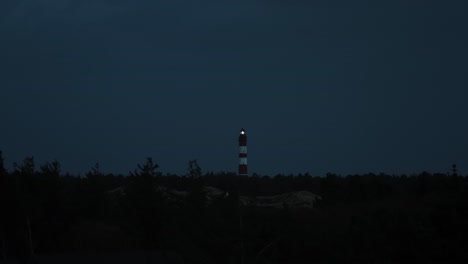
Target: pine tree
(3, 208)
(197, 195)
(145, 202)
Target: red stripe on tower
(242, 153)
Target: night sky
(320, 86)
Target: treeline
(366, 218)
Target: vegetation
(361, 218)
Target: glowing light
(242, 132)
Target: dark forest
(367, 218)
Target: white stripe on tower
(242, 153)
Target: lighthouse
(242, 153)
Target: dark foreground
(99, 258)
(51, 218)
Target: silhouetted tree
(363, 218)
(197, 196)
(49, 174)
(51, 169)
(194, 169)
(49, 213)
(145, 201)
(2, 164)
(27, 206)
(4, 208)
(27, 168)
(95, 187)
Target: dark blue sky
(340, 86)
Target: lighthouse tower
(242, 153)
